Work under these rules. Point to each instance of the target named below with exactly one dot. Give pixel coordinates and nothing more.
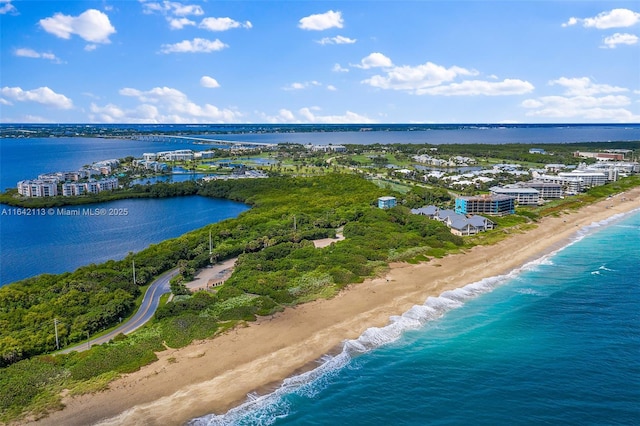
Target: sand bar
(214, 375)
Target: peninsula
(214, 375)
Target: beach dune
(215, 375)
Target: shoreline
(213, 376)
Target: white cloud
(197, 45)
(7, 7)
(616, 18)
(618, 38)
(30, 53)
(322, 21)
(180, 23)
(338, 68)
(374, 60)
(583, 86)
(163, 105)
(415, 79)
(90, 47)
(5, 102)
(171, 8)
(336, 40)
(331, 88)
(580, 101)
(300, 86)
(91, 25)
(41, 95)
(222, 24)
(347, 117)
(434, 79)
(480, 87)
(209, 82)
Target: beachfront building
(523, 196)
(570, 185)
(386, 202)
(589, 178)
(459, 224)
(498, 205)
(546, 190)
(38, 188)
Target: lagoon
(63, 239)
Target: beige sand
(215, 375)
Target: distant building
(589, 178)
(459, 224)
(523, 196)
(546, 190)
(537, 151)
(38, 188)
(327, 148)
(601, 156)
(498, 205)
(386, 202)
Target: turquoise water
(556, 342)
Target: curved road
(148, 307)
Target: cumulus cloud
(322, 21)
(171, 8)
(197, 45)
(336, 40)
(180, 23)
(331, 88)
(615, 18)
(162, 105)
(223, 24)
(614, 40)
(581, 101)
(374, 60)
(30, 53)
(41, 95)
(91, 25)
(209, 82)
(583, 86)
(434, 79)
(7, 7)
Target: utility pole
(88, 341)
(210, 244)
(294, 223)
(55, 325)
(134, 271)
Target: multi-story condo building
(498, 205)
(38, 188)
(523, 196)
(547, 190)
(589, 178)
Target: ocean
(555, 342)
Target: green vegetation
(278, 266)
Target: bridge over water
(204, 141)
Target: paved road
(148, 307)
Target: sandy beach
(214, 375)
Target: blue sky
(313, 61)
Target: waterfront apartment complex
(498, 205)
(38, 188)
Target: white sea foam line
(308, 384)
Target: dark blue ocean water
(556, 342)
